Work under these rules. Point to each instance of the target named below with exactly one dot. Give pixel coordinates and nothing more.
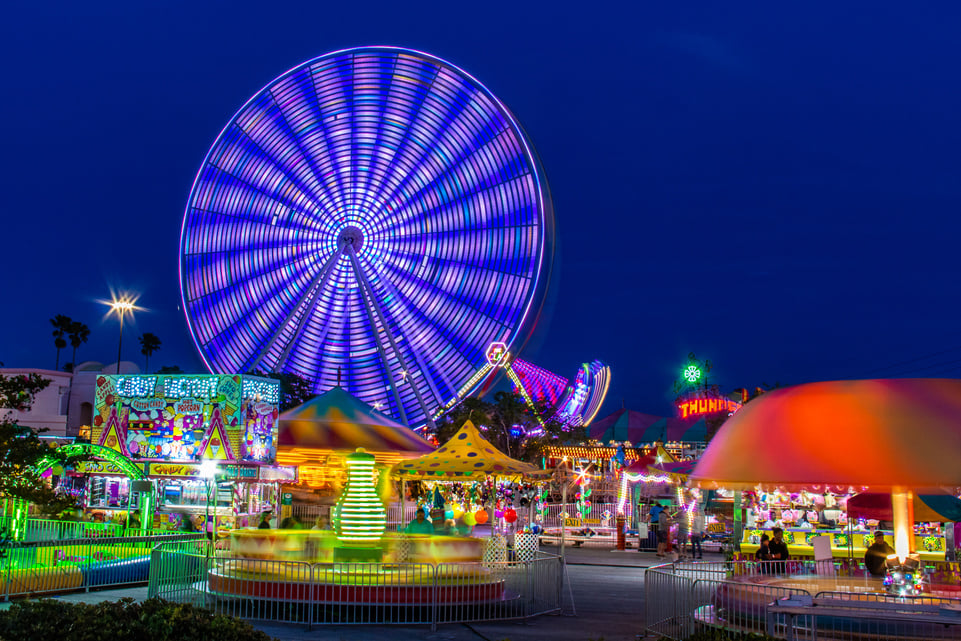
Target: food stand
(170, 425)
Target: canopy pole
(902, 512)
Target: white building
(49, 410)
(58, 408)
(80, 412)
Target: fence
(41, 567)
(356, 593)
(740, 597)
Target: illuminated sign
(240, 472)
(174, 469)
(98, 467)
(701, 405)
(279, 473)
(496, 353)
(692, 374)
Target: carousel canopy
(466, 456)
(678, 471)
(844, 435)
(656, 456)
(636, 427)
(336, 420)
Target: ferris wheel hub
(352, 236)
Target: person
(186, 522)
(654, 514)
(290, 523)
(322, 523)
(133, 520)
(264, 520)
(697, 535)
(664, 533)
(420, 525)
(764, 554)
(803, 524)
(876, 555)
(779, 551)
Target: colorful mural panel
(187, 418)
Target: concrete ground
(607, 588)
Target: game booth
(889, 450)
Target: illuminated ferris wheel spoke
(457, 312)
(394, 388)
(327, 187)
(256, 177)
(404, 314)
(408, 377)
(308, 303)
(433, 180)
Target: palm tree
(61, 325)
(78, 333)
(149, 344)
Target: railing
(42, 567)
(356, 593)
(735, 598)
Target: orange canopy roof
(877, 434)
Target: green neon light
(692, 374)
(363, 518)
(99, 451)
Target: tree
(78, 333)
(61, 325)
(21, 449)
(294, 390)
(170, 369)
(149, 343)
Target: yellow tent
(466, 456)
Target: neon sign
(496, 354)
(702, 405)
(692, 374)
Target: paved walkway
(607, 586)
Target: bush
(124, 620)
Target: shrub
(124, 620)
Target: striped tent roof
(637, 427)
(336, 420)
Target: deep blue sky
(773, 187)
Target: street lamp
(121, 306)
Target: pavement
(608, 605)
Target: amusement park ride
(375, 219)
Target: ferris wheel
(373, 218)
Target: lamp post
(121, 307)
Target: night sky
(775, 188)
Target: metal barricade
(845, 619)
(356, 593)
(42, 567)
(372, 593)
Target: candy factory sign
(174, 469)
